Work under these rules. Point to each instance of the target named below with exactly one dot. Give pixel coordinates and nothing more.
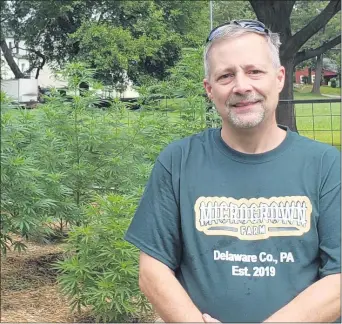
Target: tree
(16, 22)
(224, 12)
(318, 74)
(9, 58)
(303, 12)
(276, 15)
(335, 56)
(48, 26)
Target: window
(22, 67)
(313, 78)
(301, 79)
(10, 45)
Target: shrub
(333, 83)
(24, 201)
(102, 268)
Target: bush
(24, 200)
(102, 268)
(56, 157)
(333, 83)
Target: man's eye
(255, 72)
(225, 76)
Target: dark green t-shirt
(244, 233)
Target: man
(242, 223)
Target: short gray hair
(232, 31)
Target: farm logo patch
(253, 219)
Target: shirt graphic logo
(253, 219)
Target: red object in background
(327, 75)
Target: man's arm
(318, 303)
(159, 284)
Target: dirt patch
(30, 273)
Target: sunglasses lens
(252, 24)
(213, 33)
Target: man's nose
(242, 84)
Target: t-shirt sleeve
(155, 228)
(329, 222)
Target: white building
(20, 55)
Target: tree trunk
(285, 110)
(10, 60)
(275, 15)
(309, 75)
(318, 76)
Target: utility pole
(211, 14)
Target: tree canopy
(139, 38)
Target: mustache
(235, 99)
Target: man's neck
(260, 139)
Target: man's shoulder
(315, 148)
(183, 146)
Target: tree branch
(299, 39)
(267, 8)
(307, 54)
(9, 58)
(40, 66)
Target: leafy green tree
(224, 11)
(46, 27)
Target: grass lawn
(330, 90)
(319, 121)
(326, 90)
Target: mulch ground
(29, 291)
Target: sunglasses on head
(250, 24)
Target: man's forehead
(241, 51)
(248, 66)
(258, 42)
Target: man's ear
(281, 78)
(207, 88)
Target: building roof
(329, 73)
(326, 72)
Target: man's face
(243, 83)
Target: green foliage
(185, 82)
(142, 38)
(115, 49)
(23, 200)
(224, 11)
(54, 158)
(333, 83)
(104, 271)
